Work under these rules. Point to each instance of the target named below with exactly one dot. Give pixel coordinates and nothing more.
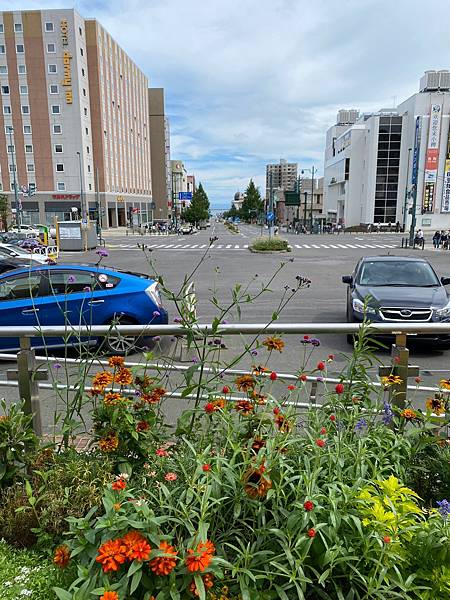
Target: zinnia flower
(110, 596)
(244, 383)
(163, 565)
(255, 484)
(244, 407)
(206, 467)
(108, 443)
(257, 445)
(208, 582)
(200, 558)
(283, 424)
(408, 414)
(116, 361)
(140, 551)
(170, 476)
(123, 377)
(61, 557)
(274, 343)
(119, 484)
(142, 426)
(390, 380)
(162, 452)
(130, 539)
(102, 379)
(111, 555)
(435, 405)
(387, 539)
(113, 398)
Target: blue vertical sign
(415, 166)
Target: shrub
(270, 244)
(16, 439)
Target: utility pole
(312, 200)
(16, 191)
(304, 209)
(406, 191)
(270, 205)
(84, 215)
(99, 207)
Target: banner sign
(445, 205)
(432, 158)
(415, 168)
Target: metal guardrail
(28, 374)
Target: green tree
(252, 204)
(199, 207)
(4, 211)
(233, 212)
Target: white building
(376, 165)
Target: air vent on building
(435, 80)
(347, 117)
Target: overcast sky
(252, 81)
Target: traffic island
(265, 245)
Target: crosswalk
(175, 246)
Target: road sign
(184, 195)
(270, 216)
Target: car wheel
(116, 343)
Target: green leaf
(135, 581)
(62, 594)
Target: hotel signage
(67, 58)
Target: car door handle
(28, 311)
(96, 302)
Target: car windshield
(397, 273)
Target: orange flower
(143, 382)
(119, 484)
(116, 361)
(208, 582)
(408, 414)
(96, 390)
(244, 383)
(283, 424)
(113, 398)
(123, 376)
(258, 398)
(130, 539)
(3, 418)
(140, 551)
(62, 556)
(255, 484)
(197, 560)
(259, 370)
(257, 444)
(102, 379)
(274, 343)
(111, 555)
(109, 443)
(163, 565)
(154, 396)
(435, 405)
(142, 426)
(117, 506)
(110, 596)
(207, 547)
(244, 407)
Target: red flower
(339, 388)
(306, 337)
(119, 484)
(308, 505)
(291, 387)
(276, 410)
(206, 468)
(303, 377)
(321, 366)
(140, 551)
(226, 389)
(330, 357)
(311, 532)
(273, 376)
(323, 430)
(209, 408)
(320, 443)
(142, 426)
(162, 452)
(387, 539)
(163, 565)
(111, 555)
(170, 476)
(418, 380)
(333, 418)
(396, 359)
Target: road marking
(202, 246)
(315, 246)
(194, 246)
(219, 246)
(169, 245)
(323, 246)
(350, 246)
(236, 246)
(332, 246)
(342, 246)
(246, 246)
(369, 246)
(306, 246)
(297, 246)
(228, 246)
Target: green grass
(27, 574)
(270, 244)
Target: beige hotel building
(78, 107)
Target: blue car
(78, 295)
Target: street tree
(199, 208)
(232, 212)
(252, 204)
(4, 211)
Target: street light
(406, 190)
(84, 215)
(16, 192)
(313, 171)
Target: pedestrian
(339, 227)
(444, 240)
(389, 227)
(437, 239)
(378, 228)
(420, 240)
(397, 227)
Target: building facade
(160, 153)
(74, 120)
(179, 179)
(281, 176)
(305, 212)
(379, 166)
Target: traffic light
(183, 204)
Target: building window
(58, 148)
(3, 70)
(20, 48)
(82, 72)
(49, 26)
(25, 109)
(88, 149)
(23, 89)
(61, 186)
(87, 131)
(89, 168)
(1, 186)
(52, 69)
(90, 186)
(6, 110)
(21, 69)
(56, 109)
(57, 129)
(2, 49)
(12, 186)
(10, 149)
(30, 167)
(80, 31)
(1, 28)
(81, 51)
(85, 111)
(28, 149)
(18, 27)
(12, 168)
(60, 167)
(54, 88)
(5, 90)
(51, 49)
(27, 129)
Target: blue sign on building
(184, 195)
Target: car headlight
(443, 312)
(153, 293)
(362, 308)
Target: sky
(248, 82)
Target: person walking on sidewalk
(437, 239)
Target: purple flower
(57, 366)
(86, 289)
(71, 279)
(315, 342)
(156, 338)
(217, 342)
(177, 320)
(319, 379)
(194, 360)
(156, 313)
(305, 341)
(223, 346)
(388, 413)
(254, 353)
(102, 253)
(361, 424)
(225, 322)
(50, 261)
(444, 507)
(137, 393)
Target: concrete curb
(271, 251)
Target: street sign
(270, 216)
(184, 195)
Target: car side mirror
(347, 279)
(445, 280)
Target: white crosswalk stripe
(175, 246)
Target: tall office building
(283, 176)
(381, 165)
(160, 153)
(74, 119)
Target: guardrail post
(402, 368)
(28, 376)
